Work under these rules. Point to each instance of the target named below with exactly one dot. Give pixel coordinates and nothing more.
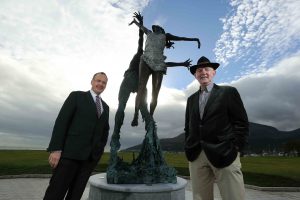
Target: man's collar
(208, 87)
(94, 93)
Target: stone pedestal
(101, 190)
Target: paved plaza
(34, 188)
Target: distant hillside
(261, 137)
(268, 138)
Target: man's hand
(54, 158)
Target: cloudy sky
(49, 48)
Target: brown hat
(203, 62)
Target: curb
(26, 176)
(273, 189)
(253, 187)
(269, 189)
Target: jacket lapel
(196, 109)
(91, 103)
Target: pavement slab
(34, 189)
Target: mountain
(268, 138)
(261, 138)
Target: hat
(203, 62)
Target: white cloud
(49, 48)
(260, 31)
(271, 97)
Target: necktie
(98, 106)
(203, 100)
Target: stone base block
(101, 190)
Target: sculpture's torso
(154, 51)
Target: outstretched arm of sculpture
(169, 36)
(186, 63)
(140, 20)
(143, 28)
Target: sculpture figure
(149, 167)
(153, 63)
(129, 85)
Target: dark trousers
(70, 176)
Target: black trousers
(69, 177)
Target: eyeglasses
(207, 69)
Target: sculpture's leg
(115, 145)
(156, 85)
(144, 74)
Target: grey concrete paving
(34, 188)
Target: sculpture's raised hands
(138, 16)
(133, 22)
(187, 63)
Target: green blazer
(77, 131)
(222, 131)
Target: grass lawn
(260, 171)
(272, 171)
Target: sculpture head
(158, 29)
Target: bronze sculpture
(149, 167)
(129, 85)
(153, 63)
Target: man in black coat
(78, 140)
(216, 130)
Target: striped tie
(98, 105)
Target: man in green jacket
(78, 140)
